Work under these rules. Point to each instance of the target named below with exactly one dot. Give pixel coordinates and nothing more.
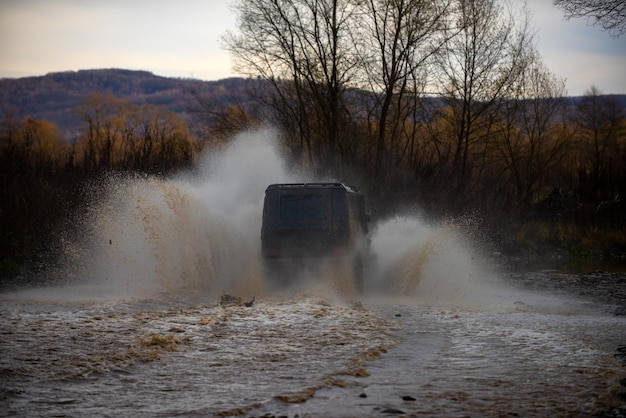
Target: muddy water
(500, 362)
(525, 353)
(131, 322)
(137, 359)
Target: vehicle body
(305, 224)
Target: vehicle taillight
(271, 252)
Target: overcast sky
(182, 39)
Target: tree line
(43, 176)
(569, 162)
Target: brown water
(120, 360)
(132, 324)
(523, 354)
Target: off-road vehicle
(308, 224)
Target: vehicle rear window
(303, 207)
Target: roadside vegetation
(441, 107)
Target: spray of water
(199, 234)
(430, 263)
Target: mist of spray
(199, 234)
(429, 263)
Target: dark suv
(306, 223)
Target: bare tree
(599, 120)
(397, 38)
(303, 48)
(476, 69)
(532, 137)
(610, 15)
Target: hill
(53, 96)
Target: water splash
(198, 232)
(429, 263)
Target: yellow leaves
(36, 144)
(122, 135)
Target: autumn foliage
(43, 174)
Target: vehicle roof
(279, 186)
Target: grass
(569, 238)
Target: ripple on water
(204, 358)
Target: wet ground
(546, 344)
(536, 344)
(603, 289)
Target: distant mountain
(53, 96)
(620, 99)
